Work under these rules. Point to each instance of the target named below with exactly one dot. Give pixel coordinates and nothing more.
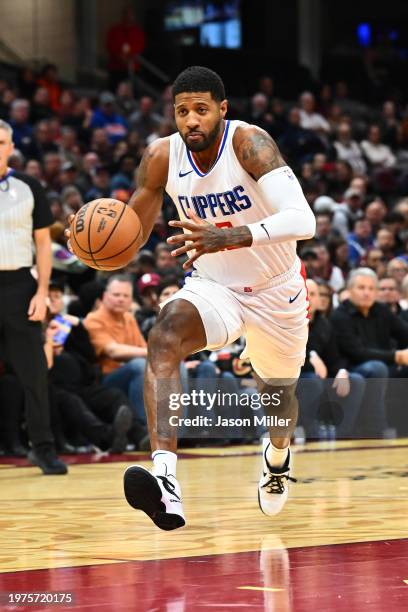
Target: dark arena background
(86, 87)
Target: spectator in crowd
(44, 140)
(106, 117)
(347, 149)
(103, 414)
(267, 86)
(40, 108)
(389, 124)
(367, 334)
(119, 345)
(404, 296)
(360, 183)
(89, 298)
(49, 80)
(339, 255)
(375, 212)
(69, 147)
(125, 100)
(101, 183)
(298, 142)
(378, 154)
(310, 261)
(71, 200)
(340, 180)
(165, 289)
(324, 231)
(347, 213)
(389, 294)
(66, 110)
(385, 241)
(325, 305)
(89, 163)
(166, 264)
(376, 261)
(397, 268)
(123, 179)
(101, 146)
(124, 41)
(33, 168)
(22, 128)
(145, 121)
(148, 292)
(325, 270)
(309, 118)
(260, 113)
(360, 240)
(322, 360)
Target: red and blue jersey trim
(220, 150)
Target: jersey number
(222, 224)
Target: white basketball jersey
(226, 196)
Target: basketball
(106, 234)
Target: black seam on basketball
(78, 245)
(112, 230)
(89, 235)
(123, 250)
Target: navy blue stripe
(223, 143)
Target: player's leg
(276, 335)
(178, 332)
(188, 322)
(276, 457)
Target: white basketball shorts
(273, 318)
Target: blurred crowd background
(349, 151)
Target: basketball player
(241, 210)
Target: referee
(25, 218)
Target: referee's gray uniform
(23, 208)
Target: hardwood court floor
(350, 492)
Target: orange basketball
(106, 234)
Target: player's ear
(224, 108)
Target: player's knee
(165, 343)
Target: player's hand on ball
(202, 238)
(67, 232)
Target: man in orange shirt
(118, 342)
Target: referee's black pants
(21, 346)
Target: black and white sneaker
(273, 485)
(158, 496)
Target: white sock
(164, 463)
(276, 456)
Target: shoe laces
(276, 484)
(168, 485)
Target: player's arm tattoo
(257, 152)
(147, 170)
(143, 166)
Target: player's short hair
(199, 78)
(7, 127)
(361, 272)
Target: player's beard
(206, 142)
